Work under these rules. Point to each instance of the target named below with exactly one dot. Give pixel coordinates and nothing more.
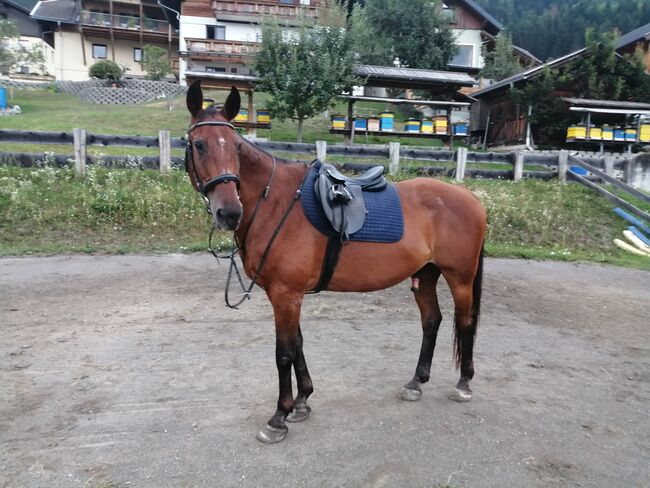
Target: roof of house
(636, 35)
(481, 12)
(624, 40)
(556, 63)
(413, 75)
(66, 11)
(25, 5)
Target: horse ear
(233, 102)
(194, 98)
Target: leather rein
(204, 188)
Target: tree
(500, 63)
(419, 35)
(8, 32)
(106, 70)
(304, 70)
(155, 62)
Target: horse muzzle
(227, 218)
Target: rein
(204, 188)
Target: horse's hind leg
(301, 410)
(467, 301)
(427, 300)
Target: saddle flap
(342, 204)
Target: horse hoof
(299, 414)
(410, 395)
(271, 435)
(460, 395)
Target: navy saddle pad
(384, 221)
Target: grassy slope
(49, 210)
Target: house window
(233, 70)
(216, 32)
(448, 14)
(99, 51)
(215, 69)
(137, 54)
(464, 56)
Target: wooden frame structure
(224, 82)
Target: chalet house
(86, 31)
(506, 122)
(33, 37)
(221, 36)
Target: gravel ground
(129, 371)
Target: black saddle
(342, 197)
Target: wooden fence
(556, 165)
(395, 155)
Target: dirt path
(129, 371)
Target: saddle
(341, 197)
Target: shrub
(106, 70)
(155, 62)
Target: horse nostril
(220, 214)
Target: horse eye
(198, 145)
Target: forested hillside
(551, 28)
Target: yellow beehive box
(595, 133)
(644, 133)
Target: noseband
(202, 187)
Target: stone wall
(129, 92)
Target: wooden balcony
(125, 26)
(220, 49)
(289, 11)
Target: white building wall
(31, 44)
(472, 38)
(195, 28)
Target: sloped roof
(589, 102)
(636, 35)
(25, 5)
(481, 12)
(556, 63)
(410, 74)
(66, 11)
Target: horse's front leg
(288, 351)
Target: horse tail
(477, 287)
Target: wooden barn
(497, 120)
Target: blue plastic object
(639, 234)
(3, 98)
(632, 220)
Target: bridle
(204, 188)
(201, 187)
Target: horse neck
(255, 170)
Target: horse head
(212, 156)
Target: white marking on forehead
(222, 141)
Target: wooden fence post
(461, 163)
(609, 165)
(518, 172)
(562, 165)
(79, 139)
(321, 150)
(164, 145)
(393, 155)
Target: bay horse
(257, 196)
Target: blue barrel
(3, 98)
